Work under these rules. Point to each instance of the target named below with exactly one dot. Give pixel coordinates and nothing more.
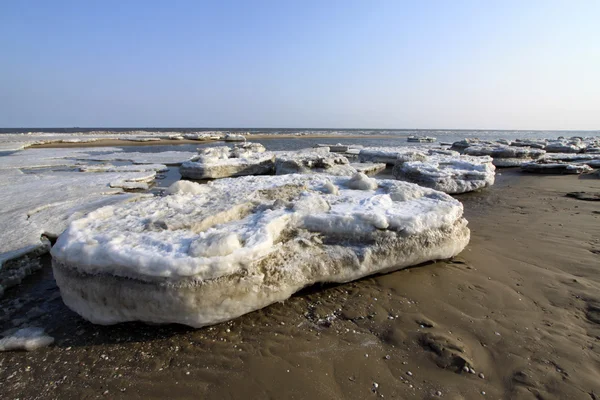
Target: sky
(448, 64)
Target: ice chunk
(385, 155)
(26, 339)
(224, 161)
(574, 145)
(213, 168)
(234, 138)
(360, 181)
(448, 174)
(245, 243)
(318, 160)
(186, 187)
(368, 168)
(549, 167)
(505, 156)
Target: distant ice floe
(28, 339)
(540, 155)
(209, 253)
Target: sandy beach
(520, 305)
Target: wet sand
(521, 305)
(162, 142)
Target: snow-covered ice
(28, 339)
(368, 168)
(224, 161)
(244, 243)
(385, 155)
(505, 156)
(449, 174)
(318, 160)
(573, 145)
(549, 167)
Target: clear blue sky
(357, 64)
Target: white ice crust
(44, 203)
(224, 161)
(505, 156)
(550, 167)
(449, 174)
(28, 339)
(271, 234)
(317, 160)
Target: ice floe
(244, 243)
(224, 161)
(505, 156)
(447, 173)
(549, 167)
(318, 160)
(385, 155)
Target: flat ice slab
(209, 253)
(40, 204)
(449, 174)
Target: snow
(449, 174)
(243, 243)
(28, 339)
